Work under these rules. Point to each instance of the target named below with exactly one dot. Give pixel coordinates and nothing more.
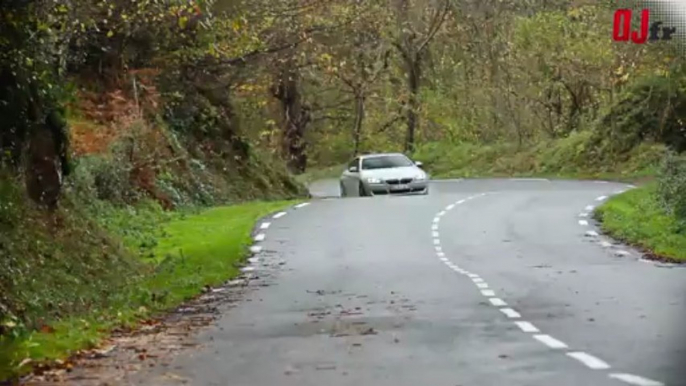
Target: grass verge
(572, 157)
(637, 217)
(179, 256)
(577, 156)
(315, 174)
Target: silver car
(376, 174)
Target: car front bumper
(414, 187)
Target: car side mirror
(352, 169)
(419, 164)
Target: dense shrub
(652, 109)
(672, 186)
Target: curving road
(483, 282)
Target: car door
(351, 177)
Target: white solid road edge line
(260, 237)
(550, 341)
(527, 327)
(635, 380)
(589, 360)
(280, 214)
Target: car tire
(361, 191)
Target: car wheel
(362, 193)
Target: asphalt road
(483, 282)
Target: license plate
(399, 187)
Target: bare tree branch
(436, 24)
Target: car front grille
(396, 181)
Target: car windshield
(385, 162)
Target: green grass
(179, 255)
(576, 157)
(571, 157)
(321, 173)
(637, 217)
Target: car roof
(372, 155)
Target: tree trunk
(413, 83)
(359, 118)
(295, 117)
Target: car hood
(390, 173)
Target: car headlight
(373, 180)
(420, 177)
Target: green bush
(672, 186)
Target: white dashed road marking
(256, 249)
(260, 237)
(280, 214)
(550, 341)
(265, 225)
(304, 204)
(635, 380)
(586, 359)
(510, 313)
(527, 327)
(589, 360)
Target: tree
(359, 61)
(418, 22)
